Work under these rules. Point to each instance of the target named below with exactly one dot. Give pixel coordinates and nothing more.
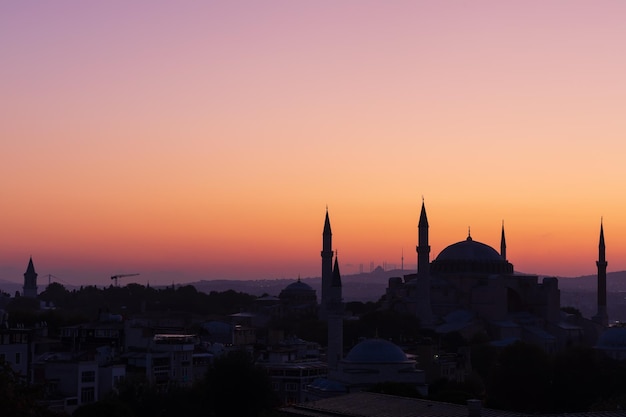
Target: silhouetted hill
(615, 282)
(580, 292)
(358, 287)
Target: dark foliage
(105, 408)
(235, 386)
(584, 378)
(133, 298)
(456, 392)
(18, 399)
(520, 381)
(523, 377)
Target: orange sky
(191, 141)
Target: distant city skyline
(188, 141)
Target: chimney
(473, 408)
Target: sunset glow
(204, 140)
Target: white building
(75, 382)
(15, 348)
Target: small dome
(376, 351)
(298, 286)
(470, 256)
(613, 338)
(298, 294)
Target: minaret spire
(327, 266)
(423, 249)
(602, 316)
(334, 311)
(503, 243)
(423, 307)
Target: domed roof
(469, 249)
(470, 256)
(298, 286)
(613, 338)
(376, 351)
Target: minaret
(423, 308)
(335, 312)
(327, 266)
(503, 243)
(422, 248)
(30, 281)
(602, 316)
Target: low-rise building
(292, 366)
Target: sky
(197, 140)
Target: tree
(520, 381)
(584, 378)
(236, 387)
(18, 399)
(103, 409)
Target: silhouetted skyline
(188, 141)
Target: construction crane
(116, 277)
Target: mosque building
(470, 287)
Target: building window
(291, 386)
(88, 376)
(117, 379)
(18, 358)
(87, 395)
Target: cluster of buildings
(469, 288)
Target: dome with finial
(470, 256)
(298, 286)
(298, 292)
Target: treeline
(523, 377)
(84, 304)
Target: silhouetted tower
(423, 307)
(503, 243)
(423, 248)
(30, 281)
(327, 267)
(335, 311)
(602, 316)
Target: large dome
(470, 256)
(376, 351)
